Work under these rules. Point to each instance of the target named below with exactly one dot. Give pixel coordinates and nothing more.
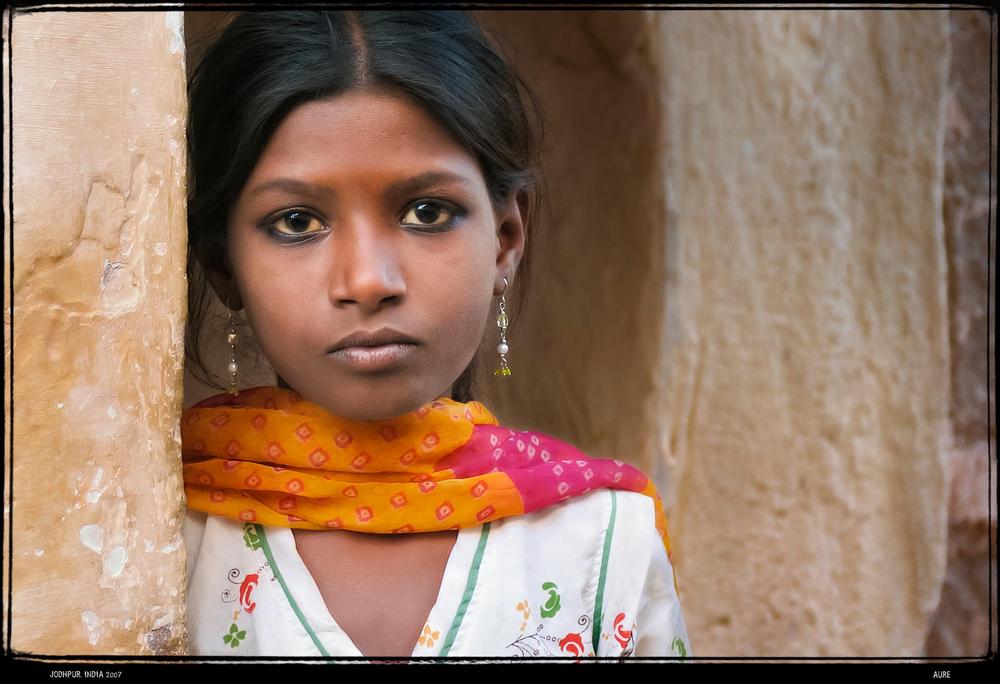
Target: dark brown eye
(429, 214)
(296, 220)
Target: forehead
(363, 132)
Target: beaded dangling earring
(502, 348)
(231, 339)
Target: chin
(373, 405)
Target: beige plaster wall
(7, 295)
(752, 104)
(806, 355)
(98, 115)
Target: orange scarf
(268, 456)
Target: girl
(362, 188)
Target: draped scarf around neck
(268, 456)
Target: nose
(366, 270)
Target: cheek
(464, 317)
(269, 298)
(463, 295)
(274, 324)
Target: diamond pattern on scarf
(447, 465)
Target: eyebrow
(403, 186)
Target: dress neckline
(302, 593)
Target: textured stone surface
(966, 214)
(7, 296)
(98, 310)
(807, 366)
(961, 626)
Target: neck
(448, 393)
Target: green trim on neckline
(470, 587)
(599, 599)
(266, 547)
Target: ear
(214, 260)
(511, 236)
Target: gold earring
(231, 339)
(502, 348)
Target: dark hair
(264, 64)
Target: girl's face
(363, 214)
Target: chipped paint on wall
(115, 561)
(92, 536)
(92, 623)
(175, 24)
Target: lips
(378, 338)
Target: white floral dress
(584, 577)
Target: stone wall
(961, 626)
(807, 351)
(807, 292)
(98, 115)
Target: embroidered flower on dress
(553, 603)
(235, 636)
(429, 636)
(246, 589)
(572, 644)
